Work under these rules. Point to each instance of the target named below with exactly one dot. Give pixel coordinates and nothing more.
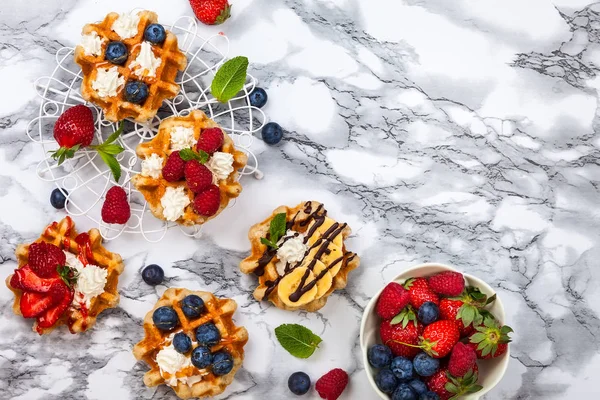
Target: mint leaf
(112, 163)
(267, 242)
(277, 227)
(189, 154)
(297, 340)
(229, 79)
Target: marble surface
(461, 132)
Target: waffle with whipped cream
(176, 369)
(154, 64)
(172, 201)
(97, 269)
(308, 264)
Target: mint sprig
(229, 79)
(297, 340)
(108, 150)
(189, 155)
(276, 230)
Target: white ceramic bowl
(490, 371)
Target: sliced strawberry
(44, 258)
(33, 304)
(62, 296)
(25, 279)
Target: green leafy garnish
(189, 155)
(67, 274)
(297, 340)
(406, 315)
(459, 386)
(108, 150)
(276, 231)
(229, 79)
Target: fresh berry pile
(434, 330)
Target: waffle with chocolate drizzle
(310, 262)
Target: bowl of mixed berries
(434, 333)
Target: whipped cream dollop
(174, 202)
(107, 82)
(291, 250)
(126, 25)
(152, 166)
(170, 362)
(146, 63)
(221, 165)
(182, 137)
(92, 44)
(91, 280)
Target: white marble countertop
(461, 132)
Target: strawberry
(439, 338)
(26, 280)
(197, 176)
(420, 292)
(392, 300)
(33, 304)
(449, 310)
(393, 334)
(331, 385)
(211, 12)
(44, 258)
(115, 209)
(208, 202)
(462, 359)
(447, 386)
(467, 310)
(447, 283)
(62, 296)
(73, 129)
(211, 140)
(174, 168)
(490, 339)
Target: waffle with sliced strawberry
(45, 286)
(187, 169)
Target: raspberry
(392, 300)
(211, 140)
(331, 385)
(462, 359)
(448, 283)
(197, 176)
(174, 167)
(44, 258)
(115, 209)
(207, 203)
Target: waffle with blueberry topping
(129, 77)
(191, 343)
(309, 260)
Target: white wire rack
(86, 178)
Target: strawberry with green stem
(449, 387)
(467, 309)
(490, 339)
(438, 339)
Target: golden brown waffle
(154, 189)
(160, 87)
(233, 339)
(326, 260)
(63, 234)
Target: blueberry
(136, 92)
(165, 318)
(429, 396)
(201, 357)
(299, 383)
(272, 133)
(208, 334)
(116, 53)
(386, 381)
(402, 367)
(418, 386)
(425, 365)
(379, 356)
(58, 198)
(182, 343)
(428, 313)
(404, 392)
(222, 363)
(258, 97)
(153, 275)
(155, 33)
(192, 306)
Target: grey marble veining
(462, 132)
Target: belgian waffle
(233, 339)
(63, 234)
(306, 284)
(154, 188)
(160, 87)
